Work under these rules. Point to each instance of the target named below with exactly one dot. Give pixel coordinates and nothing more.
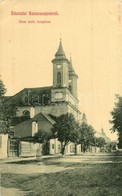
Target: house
(27, 129)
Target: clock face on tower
(58, 66)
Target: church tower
(60, 68)
(72, 80)
(63, 72)
(64, 91)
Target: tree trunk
(75, 148)
(84, 148)
(63, 150)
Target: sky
(91, 32)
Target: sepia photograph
(61, 98)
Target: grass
(103, 179)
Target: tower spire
(71, 69)
(60, 52)
(84, 119)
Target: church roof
(60, 52)
(46, 116)
(32, 94)
(71, 69)
(60, 55)
(24, 129)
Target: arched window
(26, 113)
(59, 78)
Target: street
(87, 174)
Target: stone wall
(3, 146)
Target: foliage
(7, 111)
(42, 136)
(111, 146)
(76, 136)
(15, 120)
(86, 135)
(100, 142)
(120, 140)
(65, 129)
(117, 119)
(2, 88)
(4, 128)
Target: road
(51, 165)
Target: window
(52, 146)
(34, 127)
(58, 78)
(26, 113)
(45, 99)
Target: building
(37, 104)
(103, 135)
(3, 146)
(57, 99)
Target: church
(37, 105)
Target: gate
(13, 148)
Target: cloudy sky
(91, 31)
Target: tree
(64, 129)
(3, 125)
(111, 146)
(76, 136)
(2, 88)
(86, 135)
(117, 119)
(7, 111)
(43, 137)
(100, 142)
(2, 92)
